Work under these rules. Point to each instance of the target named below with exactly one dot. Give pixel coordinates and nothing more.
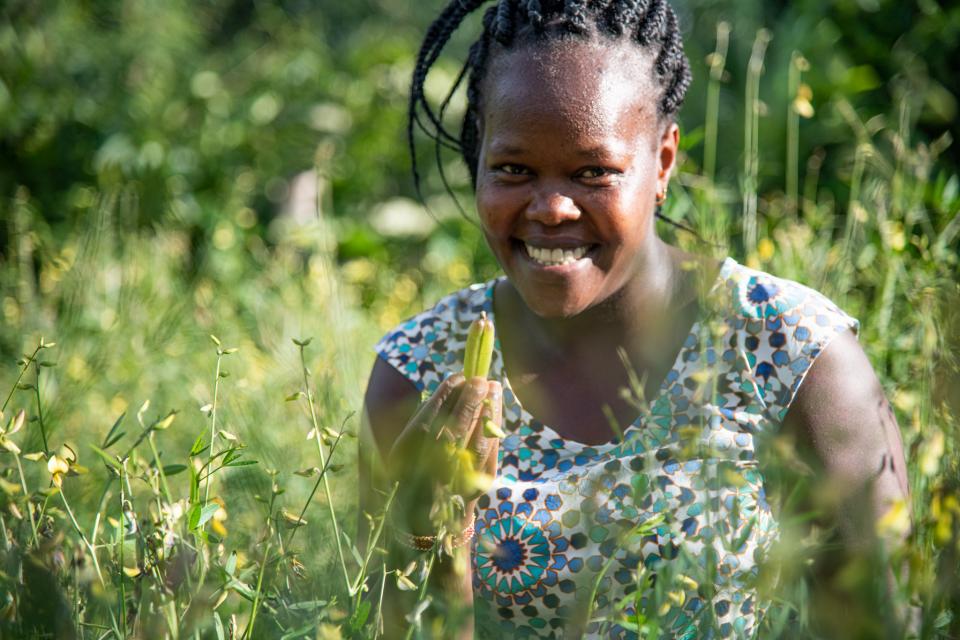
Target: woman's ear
(667, 154)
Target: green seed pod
(470, 350)
(478, 352)
(485, 349)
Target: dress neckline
(499, 370)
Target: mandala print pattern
(672, 518)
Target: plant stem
(793, 133)
(326, 483)
(717, 62)
(423, 587)
(751, 142)
(316, 485)
(120, 535)
(3, 529)
(213, 424)
(23, 485)
(26, 365)
(163, 476)
(83, 537)
(256, 596)
(372, 544)
(43, 431)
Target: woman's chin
(555, 305)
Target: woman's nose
(550, 207)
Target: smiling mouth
(556, 257)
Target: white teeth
(553, 257)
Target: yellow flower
(765, 249)
(801, 103)
(58, 467)
(218, 520)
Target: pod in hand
(479, 348)
(478, 354)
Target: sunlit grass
(131, 504)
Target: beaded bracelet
(426, 543)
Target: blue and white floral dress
(668, 523)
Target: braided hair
(507, 24)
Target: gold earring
(661, 196)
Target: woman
(609, 511)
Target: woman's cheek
(497, 210)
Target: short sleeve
(429, 347)
(785, 327)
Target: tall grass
(177, 451)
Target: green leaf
(241, 588)
(198, 446)
(241, 463)
(109, 440)
(193, 516)
(114, 440)
(200, 517)
(194, 486)
(360, 616)
(173, 469)
(231, 565)
(218, 626)
(308, 605)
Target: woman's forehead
(593, 85)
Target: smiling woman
(572, 157)
(607, 513)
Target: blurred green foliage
(149, 196)
(197, 112)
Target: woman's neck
(634, 318)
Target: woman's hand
(442, 460)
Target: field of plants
(206, 222)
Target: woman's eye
(511, 169)
(594, 172)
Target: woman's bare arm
(841, 419)
(391, 400)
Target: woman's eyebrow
(506, 149)
(594, 152)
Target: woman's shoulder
(753, 295)
(428, 346)
(778, 328)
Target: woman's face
(572, 156)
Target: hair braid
(653, 23)
(575, 12)
(438, 34)
(535, 15)
(503, 28)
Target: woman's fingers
(467, 410)
(478, 442)
(426, 415)
(421, 428)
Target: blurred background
(239, 168)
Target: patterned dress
(666, 525)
